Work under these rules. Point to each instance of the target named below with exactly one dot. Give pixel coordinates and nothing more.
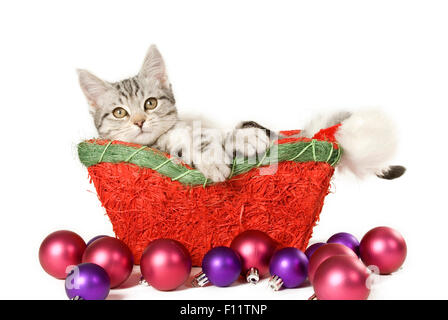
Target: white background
(273, 62)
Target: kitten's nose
(139, 123)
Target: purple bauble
(346, 239)
(310, 250)
(222, 266)
(291, 265)
(87, 281)
(95, 238)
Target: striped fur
(209, 150)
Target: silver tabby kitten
(142, 110)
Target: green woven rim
(91, 153)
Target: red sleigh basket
(148, 195)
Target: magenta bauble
(341, 278)
(383, 247)
(165, 264)
(325, 252)
(113, 256)
(59, 251)
(255, 249)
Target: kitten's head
(138, 109)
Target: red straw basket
(143, 204)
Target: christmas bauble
(383, 247)
(312, 248)
(325, 252)
(341, 278)
(346, 239)
(95, 238)
(59, 251)
(87, 281)
(221, 266)
(165, 264)
(113, 256)
(288, 268)
(255, 249)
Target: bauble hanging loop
(252, 275)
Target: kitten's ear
(93, 87)
(154, 67)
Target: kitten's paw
(256, 141)
(251, 141)
(216, 172)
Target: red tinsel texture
(143, 205)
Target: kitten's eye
(150, 103)
(119, 113)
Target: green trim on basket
(91, 153)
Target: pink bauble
(113, 256)
(341, 278)
(325, 252)
(383, 247)
(165, 264)
(255, 249)
(60, 250)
